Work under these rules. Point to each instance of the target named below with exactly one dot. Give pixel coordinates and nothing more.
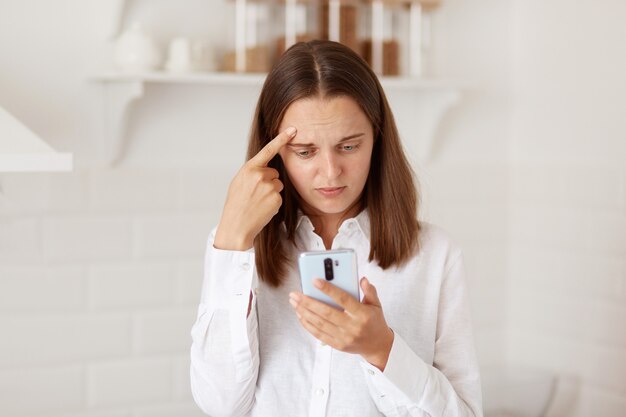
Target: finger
(370, 294)
(317, 333)
(316, 320)
(345, 300)
(278, 185)
(323, 310)
(270, 150)
(270, 173)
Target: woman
(326, 170)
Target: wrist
(381, 356)
(235, 241)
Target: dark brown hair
(329, 69)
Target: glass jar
(252, 50)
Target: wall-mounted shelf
(431, 99)
(21, 150)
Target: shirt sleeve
(451, 386)
(225, 347)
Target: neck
(327, 224)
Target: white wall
(568, 214)
(100, 268)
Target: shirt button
(351, 225)
(319, 392)
(245, 266)
(369, 371)
(256, 291)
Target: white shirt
(268, 365)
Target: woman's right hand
(253, 198)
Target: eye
(349, 148)
(304, 153)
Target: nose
(331, 166)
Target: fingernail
(294, 296)
(318, 283)
(291, 130)
(293, 302)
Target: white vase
(136, 51)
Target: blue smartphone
(335, 266)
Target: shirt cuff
(403, 380)
(229, 278)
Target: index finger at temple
(270, 150)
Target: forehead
(339, 115)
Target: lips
(330, 191)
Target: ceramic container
(136, 51)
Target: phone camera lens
(328, 269)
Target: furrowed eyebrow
(309, 145)
(356, 135)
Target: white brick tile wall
(591, 401)
(163, 331)
(555, 228)
(83, 238)
(464, 182)
(487, 307)
(566, 305)
(30, 340)
(143, 189)
(607, 368)
(486, 266)
(474, 224)
(131, 285)
(49, 289)
(206, 188)
(533, 183)
(68, 192)
(535, 350)
(554, 314)
(133, 381)
(99, 413)
(182, 385)
(21, 240)
(490, 347)
(590, 275)
(623, 191)
(169, 410)
(593, 186)
(607, 233)
(566, 185)
(23, 193)
(37, 390)
(172, 236)
(189, 282)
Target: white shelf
(216, 78)
(23, 151)
(230, 78)
(431, 98)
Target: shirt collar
(362, 221)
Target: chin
(331, 208)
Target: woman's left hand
(361, 328)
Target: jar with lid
(251, 49)
(396, 35)
(298, 20)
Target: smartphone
(335, 266)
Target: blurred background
(512, 114)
